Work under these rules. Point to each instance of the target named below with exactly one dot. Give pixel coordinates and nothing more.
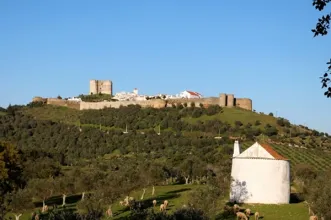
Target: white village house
(260, 175)
(190, 95)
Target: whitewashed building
(260, 175)
(76, 99)
(190, 95)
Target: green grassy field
(296, 211)
(177, 195)
(2, 113)
(231, 115)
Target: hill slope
(292, 147)
(90, 147)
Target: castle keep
(101, 87)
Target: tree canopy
(321, 29)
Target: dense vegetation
(60, 152)
(96, 97)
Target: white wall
(256, 151)
(267, 181)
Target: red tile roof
(273, 153)
(194, 93)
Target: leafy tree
(319, 194)
(321, 28)
(197, 112)
(270, 130)
(65, 185)
(85, 181)
(257, 123)
(280, 122)
(304, 174)
(186, 168)
(248, 125)
(10, 167)
(19, 201)
(238, 123)
(42, 189)
(41, 168)
(10, 172)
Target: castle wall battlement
(222, 101)
(62, 102)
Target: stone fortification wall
(224, 101)
(157, 103)
(204, 101)
(62, 102)
(39, 99)
(244, 103)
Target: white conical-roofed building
(259, 175)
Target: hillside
(83, 151)
(293, 147)
(233, 122)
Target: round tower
(222, 99)
(230, 98)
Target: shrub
(213, 110)
(270, 130)
(197, 113)
(238, 123)
(36, 104)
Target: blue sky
(263, 50)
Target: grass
(177, 195)
(55, 113)
(283, 212)
(231, 115)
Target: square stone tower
(101, 87)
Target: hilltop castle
(158, 101)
